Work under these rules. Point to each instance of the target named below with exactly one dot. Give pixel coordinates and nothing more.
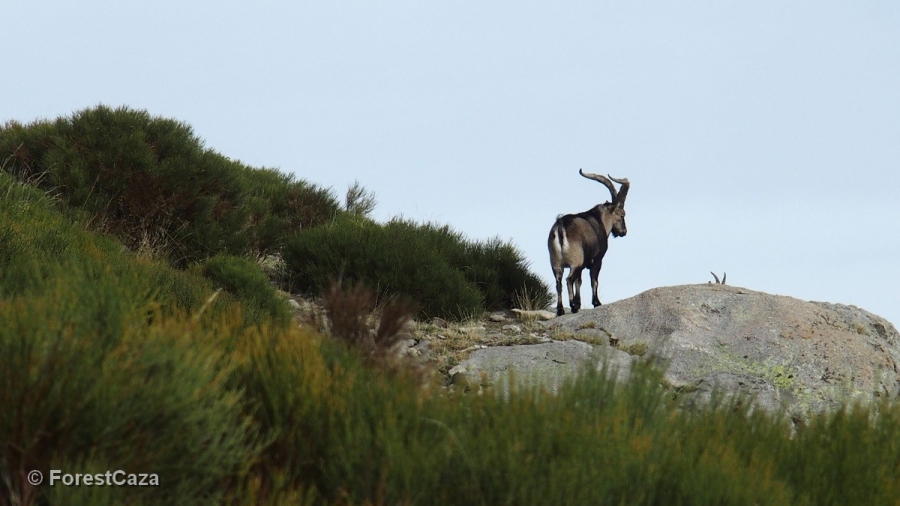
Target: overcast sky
(761, 138)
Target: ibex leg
(574, 284)
(558, 274)
(595, 283)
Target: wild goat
(580, 240)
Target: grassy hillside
(150, 181)
(151, 184)
(182, 361)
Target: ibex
(580, 240)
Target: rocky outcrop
(546, 365)
(793, 356)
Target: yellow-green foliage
(638, 349)
(104, 363)
(244, 279)
(109, 389)
(356, 436)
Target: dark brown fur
(579, 241)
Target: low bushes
(41, 248)
(103, 390)
(105, 370)
(354, 436)
(244, 279)
(113, 360)
(152, 184)
(348, 435)
(496, 268)
(446, 274)
(150, 181)
(107, 363)
(388, 260)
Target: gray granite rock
(792, 356)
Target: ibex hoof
(560, 311)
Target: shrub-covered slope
(152, 184)
(147, 179)
(111, 361)
(114, 360)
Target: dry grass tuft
(355, 321)
(530, 299)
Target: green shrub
(244, 279)
(392, 261)
(147, 179)
(356, 437)
(445, 273)
(42, 248)
(103, 367)
(497, 268)
(851, 456)
(278, 204)
(87, 379)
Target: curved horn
(623, 190)
(601, 179)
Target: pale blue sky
(761, 138)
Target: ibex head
(615, 209)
